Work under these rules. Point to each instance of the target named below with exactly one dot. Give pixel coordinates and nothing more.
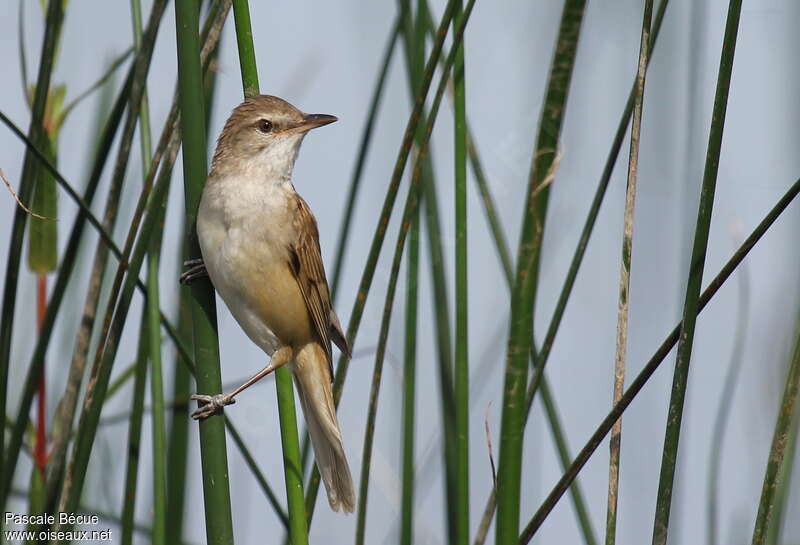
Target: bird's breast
(245, 234)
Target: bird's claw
(197, 269)
(210, 405)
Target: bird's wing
(306, 264)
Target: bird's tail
(316, 395)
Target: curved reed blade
(694, 282)
(650, 367)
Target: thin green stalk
(30, 169)
(588, 227)
(414, 38)
(410, 350)
(102, 80)
(247, 51)
(355, 185)
(215, 19)
(461, 382)
(409, 386)
(178, 437)
(716, 450)
(21, 48)
(157, 385)
(695, 278)
(137, 73)
(410, 210)
(625, 274)
(292, 465)
(50, 318)
(380, 231)
(650, 367)
(551, 412)
(775, 463)
(153, 319)
(65, 410)
(103, 515)
(216, 488)
(361, 157)
(784, 485)
(525, 286)
(292, 470)
(135, 436)
(101, 371)
(75, 474)
(262, 481)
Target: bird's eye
(264, 126)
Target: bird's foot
(211, 404)
(197, 269)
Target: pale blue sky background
(323, 57)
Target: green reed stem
(409, 385)
(410, 342)
(650, 367)
(216, 487)
(414, 38)
(775, 462)
(694, 282)
(524, 292)
(153, 320)
(461, 383)
(588, 227)
(247, 52)
(135, 436)
(178, 436)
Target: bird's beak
(312, 121)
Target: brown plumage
(260, 246)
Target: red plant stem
(40, 449)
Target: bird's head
(264, 133)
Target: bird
(260, 248)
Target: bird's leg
(197, 269)
(213, 403)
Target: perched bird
(260, 248)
